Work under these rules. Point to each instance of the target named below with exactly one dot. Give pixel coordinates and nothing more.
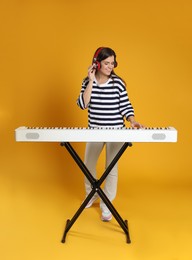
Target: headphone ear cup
(98, 64)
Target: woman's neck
(101, 79)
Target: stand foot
(65, 232)
(127, 235)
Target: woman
(104, 94)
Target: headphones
(98, 63)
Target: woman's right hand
(91, 72)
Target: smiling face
(107, 66)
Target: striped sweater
(109, 104)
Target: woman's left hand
(135, 124)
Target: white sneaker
(92, 200)
(106, 215)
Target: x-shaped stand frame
(96, 187)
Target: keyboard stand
(96, 188)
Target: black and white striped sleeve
(125, 106)
(80, 100)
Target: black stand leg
(96, 188)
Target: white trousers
(92, 153)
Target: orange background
(45, 49)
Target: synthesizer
(80, 134)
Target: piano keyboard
(65, 134)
